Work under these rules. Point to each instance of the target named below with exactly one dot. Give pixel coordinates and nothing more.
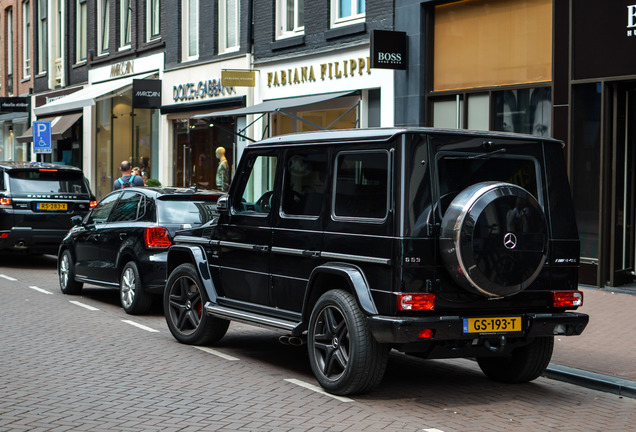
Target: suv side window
(102, 210)
(304, 183)
(362, 181)
(127, 208)
(258, 190)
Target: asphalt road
(82, 363)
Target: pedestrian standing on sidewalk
(127, 179)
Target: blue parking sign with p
(42, 137)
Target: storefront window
(586, 154)
(340, 118)
(197, 145)
(124, 134)
(524, 111)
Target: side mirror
(77, 220)
(223, 204)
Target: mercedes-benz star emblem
(510, 241)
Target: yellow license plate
(52, 206)
(492, 325)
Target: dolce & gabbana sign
(201, 90)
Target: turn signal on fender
(416, 302)
(567, 299)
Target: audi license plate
(52, 206)
(492, 325)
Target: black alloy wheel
(344, 355)
(183, 302)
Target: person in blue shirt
(127, 179)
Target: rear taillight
(567, 299)
(92, 204)
(5, 201)
(157, 238)
(416, 302)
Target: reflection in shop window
(524, 111)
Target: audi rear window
(32, 181)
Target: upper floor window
(290, 19)
(81, 49)
(103, 25)
(26, 38)
(345, 12)
(190, 29)
(153, 20)
(43, 39)
(229, 14)
(126, 24)
(9, 25)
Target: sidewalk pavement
(604, 356)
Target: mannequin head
(220, 153)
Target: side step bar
(249, 318)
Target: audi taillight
(567, 299)
(157, 238)
(416, 302)
(92, 204)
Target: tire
(66, 274)
(344, 355)
(525, 364)
(494, 239)
(132, 296)
(183, 302)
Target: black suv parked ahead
(37, 202)
(437, 243)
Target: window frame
(26, 40)
(43, 36)
(189, 30)
(334, 189)
(223, 26)
(81, 29)
(282, 15)
(103, 27)
(125, 24)
(305, 154)
(10, 37)
(355, 17)
(153, 20)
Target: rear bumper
(402, 330)
(32, 240)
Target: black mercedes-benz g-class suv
(37, 202)
(437, 243)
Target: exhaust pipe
(496, 349)
(291, 340)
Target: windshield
(186, 212)
(47, 182)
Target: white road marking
(85, 306)
(141, 326)
(41, 290)
(8, 277)
(216, 353)
(432, 430)
(317, 389)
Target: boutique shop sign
(203, 89)
(328, 71)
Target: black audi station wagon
(123, 242)
(437, 243)
(37, 202)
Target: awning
(59, 126)
(276, 105)
(84, 97)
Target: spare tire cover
(494, 239)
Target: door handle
(260, 248)
(311, 254)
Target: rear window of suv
(47, 181)
(186, 212)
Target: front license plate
(52, 206)
(492, 325)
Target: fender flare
(354, 277)
(197, 257)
